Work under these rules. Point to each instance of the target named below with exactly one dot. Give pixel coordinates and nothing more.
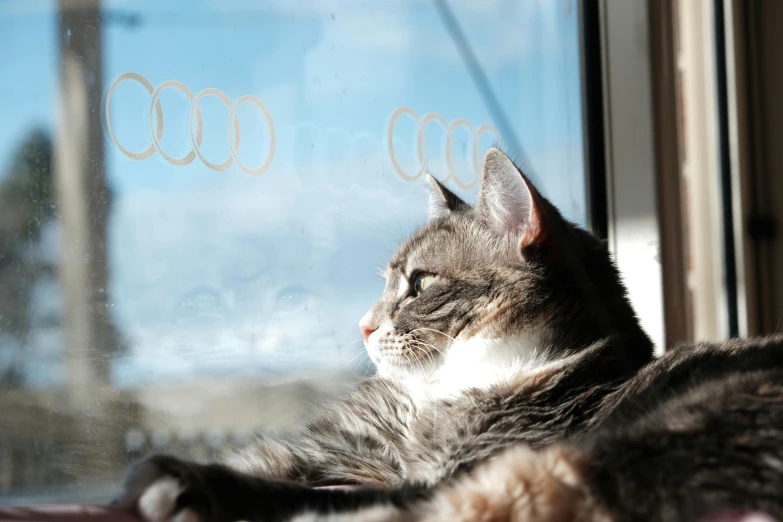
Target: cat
(514, 383)
(474, 303)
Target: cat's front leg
(518, 485)
(167, 489)
(164, 488)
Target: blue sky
(223, 272)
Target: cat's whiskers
(430, 361)
(427, 353)
(419, 366)
(415, 361)
(358, 353)
(367, 370)
(407, 357)
(364, 357)
(428, 345)
(418, 344)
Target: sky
(220, 272)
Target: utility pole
(83, 203)
(99, 417)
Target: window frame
(620, 149)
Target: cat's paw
(167, 489)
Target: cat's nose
(367, 329)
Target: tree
(26, 207)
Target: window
(195, 198)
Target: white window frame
(633, 227)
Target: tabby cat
(514, 383)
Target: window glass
(195, 198)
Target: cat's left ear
(443, 202)
(507, 201)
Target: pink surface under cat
(74, 513)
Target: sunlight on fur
(518, 485)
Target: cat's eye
(421, 282)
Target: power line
(482, 83)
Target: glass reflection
(150, 304)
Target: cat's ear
(443, 202)
(507, 201)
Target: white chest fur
(480, 362)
